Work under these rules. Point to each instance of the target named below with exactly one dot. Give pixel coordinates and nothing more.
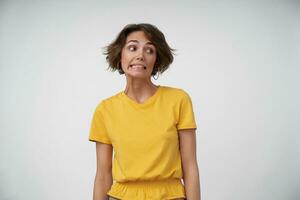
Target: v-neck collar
(148, 101)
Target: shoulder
(175, 92)
(108, 102)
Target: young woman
(150, 128)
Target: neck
(139, 89)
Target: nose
(140, 55)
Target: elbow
(190, 169)
(104, 174)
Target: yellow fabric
(144, 136)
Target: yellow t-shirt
(144, 136)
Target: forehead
(138, 37)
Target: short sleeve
(98, 131)
(186, 118)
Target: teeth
(137, 66)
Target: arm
(103, 179)
(187, 139)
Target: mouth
(138, 67)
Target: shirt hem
(187, 127)
(99, 140)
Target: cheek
(124, 59)
(152, 60)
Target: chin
(144, 76)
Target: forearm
(102, 185)
(191, 179)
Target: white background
(238, 60)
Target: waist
(150, 183)
(150, 189)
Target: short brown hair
(164, 53)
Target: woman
(150, 128)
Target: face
(138, 55)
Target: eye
(150, 50)
(131, 48)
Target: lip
(138, 64)
(141, 66)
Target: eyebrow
(136, 41)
